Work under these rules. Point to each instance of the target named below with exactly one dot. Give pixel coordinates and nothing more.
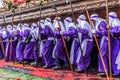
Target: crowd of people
(42, 44)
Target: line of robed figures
(43, 45)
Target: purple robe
(86, 44)
(115, 43)
(29, 48)
(20, 47)
(8, 55)
(1, 52)
(103, 42)
(8, 44)
(48, 46)
(59, 49)
(42, 43)
(75, 44)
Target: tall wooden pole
(11, 35)
(109, 45)
(100, 53)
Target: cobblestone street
(6, 74)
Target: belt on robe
(44, 39)
(50, 38)
(76, 39)
(89, 39)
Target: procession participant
(43, 39)
(35, 38)
(29, 44)
(7, 34)
(14, 41)
(101, 31)
(48, 46)
(86, 43)
(114, 22)
(72, 33)
(1, 53)
(59, 50)
(21, 45)
(69, 40)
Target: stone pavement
(6, 74)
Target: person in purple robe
(72, 33)
(85, 44)
(101, 31)
(35, 39)
(21, 44)
(114, 22)
(8, 35)
(59, 53)
(14, 42)
(48, 46)
(1, 52)
(43, 39)
(29, 41)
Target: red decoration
(19, 1)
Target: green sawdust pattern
(6, 74)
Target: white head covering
(48, 22)
(42, 22)
(82, 17)
(97, 19)
(60, 24)
(33, 26)
(82, 23)
(67, 21)
(9, 28)
(4, 33)
(20, 27)
(26, 27)
(34, 30)
(0, 29)
(113, 20)
(72, 24)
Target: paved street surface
(6, 74)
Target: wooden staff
(39, 35)
(63, 40)
(20, 27)
(11, 36)
(100, 53)
(109, 47)
(83, 60)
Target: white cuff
(93, 31)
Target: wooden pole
(66, 50)
(100, 53)
(11, 36)
(109, 47)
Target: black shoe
(45, 67)
(101, 74)
(35, 64)
(66, 66)
(79, 71)
(20, 62)
(26, 62)
(56, 67)
(115, 75)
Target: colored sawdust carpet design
(49, 74)
(6, 74)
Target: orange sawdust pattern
(54, 74)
